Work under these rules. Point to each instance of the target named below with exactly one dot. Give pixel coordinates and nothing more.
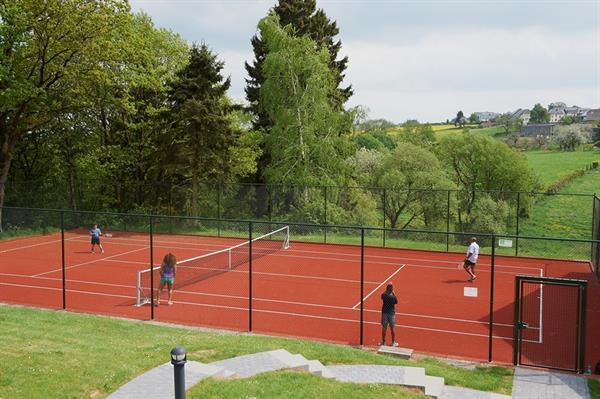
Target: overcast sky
(424, 59)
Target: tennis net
(198, 268)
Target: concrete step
(256, 363)
(317, 368)
(434, 386)
(404, 353)
(413, 377)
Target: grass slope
(551, 166)
(564, 216)
(55, 354)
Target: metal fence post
(362, 282)
(384, 202)
(491, 327)
(64, 269)
(219, 210)
(517, 226)
(151, 269)
(582, 332)
(250, 276)
(448, 223)
(325, 213)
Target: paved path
(541, 384)
(528, 383)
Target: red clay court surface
(310, 290)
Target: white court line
(35, 245)
(349, 255)
(379, 286)
(265, 311)
(87, 263)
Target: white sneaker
(395, 344)
(101, 251)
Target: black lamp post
(178, 360)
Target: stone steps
(158, 382)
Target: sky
(425, 59)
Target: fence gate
(549, 329)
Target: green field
(551, 166)
(564, 216)
(55, 354)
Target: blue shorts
(167, 280)
(96, 240)
(388, 318)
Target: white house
(523, 114)
(557, 114)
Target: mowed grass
(564, 215)
(594, 386)
(552, 166)
(56, 354)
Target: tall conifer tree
(305, 19)
(202, 132)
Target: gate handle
(522, 325)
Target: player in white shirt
(471, 259)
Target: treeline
(101, 110)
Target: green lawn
(594, 386)
(564, 216)
(551, 166)
(55, 354)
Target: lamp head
(178, 355)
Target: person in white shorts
(471, 259)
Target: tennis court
(299, 289)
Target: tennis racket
(108, 235)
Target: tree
(568, 120)
(596, 133)
(482, 163)
(417, 134)
(48, 51)
(411, 175)
(507, 122)
(307, 142)
(304, 20)
(474, 118)
(460, 119)
(539, 114)
(200, 120)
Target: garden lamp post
(178, 360)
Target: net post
(250, 276)
(362, 282)
(151, 269)
(491, 327)
(138, 296)
(62, 250)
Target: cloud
(425, 59)
(487, 64)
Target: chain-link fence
(295, 279)
(509, 212)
